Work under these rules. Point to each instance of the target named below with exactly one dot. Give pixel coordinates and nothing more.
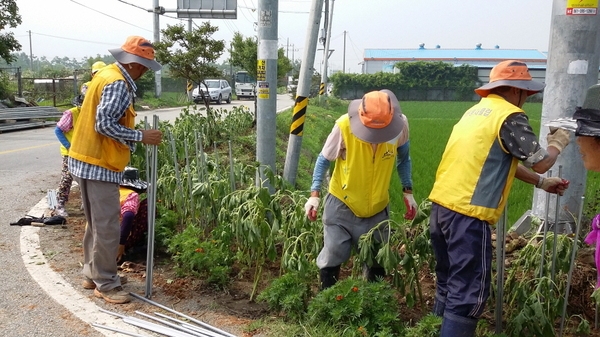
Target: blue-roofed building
(376, 60)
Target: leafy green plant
(428, 326)
(195, 254)
(357, 307)
(289, 294)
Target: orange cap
(136, 49)
(511, 73)
(375, 111)
(376, 118)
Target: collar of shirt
(130, 82)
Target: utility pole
(344, 57)
(266, 82)
(572, 67)
(30, 52)
(323, 89)
(189, 84)
(157, 75)
(292, 157)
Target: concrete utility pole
(572, 67)
(157, 75)
(266, 83)
(189, 85)
(344, 57)
(30, 52)
(323, 88)
(292, 157)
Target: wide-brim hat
(131, 179)
(511, 73)
(376, 118)
(588, 117)
(136, 50)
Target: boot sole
(98, 294)
(89, 284)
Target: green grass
(430, 126)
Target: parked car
(218, 90)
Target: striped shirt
(65, 124)
(115, 99)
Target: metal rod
(193, 327)
(210, 327)
(189, 179)
(556, 218)
(175, 326)
(571, 267)
(546, 211)
(596, 318)
(155, 327)
(500, 241)
(117, 330)
(151, 215)
(231, 171)
(147, 152)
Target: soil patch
(229, 310)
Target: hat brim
(124, 57)
(138, 186)
(373, 135)
(532, 86)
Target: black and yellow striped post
(322, 89)
(298, 116)
(189, 87)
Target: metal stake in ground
(151, 213)
(500, 240)
(556, 219)
(571, 267)
(546, 211)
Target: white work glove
(411, 206)
(558, 138)
(311, 207)
(553, 185)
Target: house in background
(377, 60)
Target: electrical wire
(71, 39)
(110, 16)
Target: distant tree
(190, 55)
(9, 18)
(243, 54)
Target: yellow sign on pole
(261, 70)
(190, 85)
(582, 7)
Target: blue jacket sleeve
(321, 167)
(61, 137)
(404, 165)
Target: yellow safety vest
(476, 172)
(88, 145)
(123, 194)
(362, 179)
(69, 134)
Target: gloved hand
(120, 253)
(411, 206)
(311, 207)
(558, 138)
(555, 185)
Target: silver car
(218, 90)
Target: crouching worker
(134, 213)
(366, 144)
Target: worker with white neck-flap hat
(365, 144)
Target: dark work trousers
(342, 230)
(463, 252)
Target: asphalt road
(33, 299)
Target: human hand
(559, 138)
(120, 252)
(310, 208)
(411, 206)
(151, 136)
(555, 185)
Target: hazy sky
(80, 28)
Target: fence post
(54, 91)
(19, 83)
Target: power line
(110, 16)
(72, 39)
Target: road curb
(57, 287)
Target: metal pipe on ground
(128, 333)
(190, 326)
(210, 327)
(174, 326)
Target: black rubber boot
(373, 274)
(457, 326)
(329, 276)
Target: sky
(85, 28)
